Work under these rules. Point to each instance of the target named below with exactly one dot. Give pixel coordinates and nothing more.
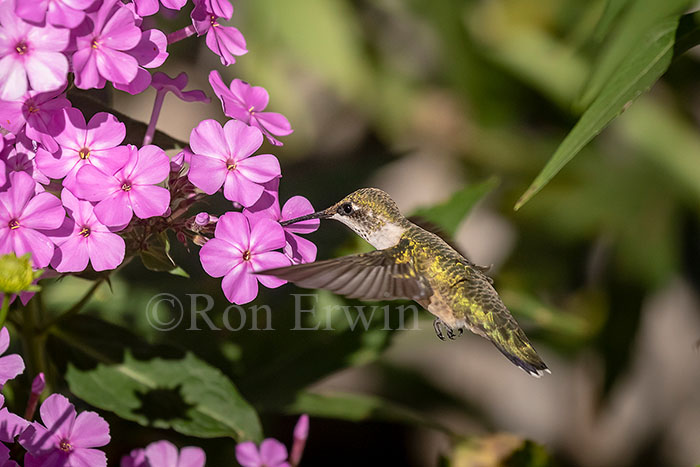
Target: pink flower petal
(89, 431)
(116, 66)
(239, 286)
(106, 250)
(239, 189)
(153, 166)
(94, 185)
(269, 260)
(10, 366)
(241, 139)
(275, 123)
(47, 70)
(58, 414)
(266, 235)
(162, 453)
(44, 211)
(207, 139)
(150, 52)
(87, 458)
(272, 452)
(260, 169)
(30, 241)
(114, 210)
(234, 228)
(299, 249)
(71, 255)
(207, 173)
(298, 206)
(219, 257)
(11, 425)
(4, 340)
(192, 456)
(21, 191)
(149, 201)
(13, 78)
(104, 131)
(247, 454)
(87, 75)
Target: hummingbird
(413, 263)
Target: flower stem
(180, 34)
(75, 309)
(151, 130)
(4, 309)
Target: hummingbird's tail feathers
(528, 361)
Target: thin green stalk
(75, 309)
(4, 309)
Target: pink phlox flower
(151, 7)
(238, 249)
(83, 238)
(129, 191)
(25, 216)
(102, 47)
(11, 426)
(94, 143)
(22, 158)
(150, 52)
(164, 83)
(271, 453)
(10, 365)
(298, 249)
(219, 8)
(38, 113)
(165, 454)
(62, 13)
(246, 103)
(65, 438)
(225, 41)
(222, 158)
(29, 54)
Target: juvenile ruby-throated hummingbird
(413, 263)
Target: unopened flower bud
(16, 274)
(202, 219)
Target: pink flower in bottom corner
(271, 453)
(131, 190)
(65, 438)
(165, 454)
(239, 249)
(83, 238)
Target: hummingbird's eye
(346, 208)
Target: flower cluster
(65, 437)
(78, 192)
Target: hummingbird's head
(370, 213)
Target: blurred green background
(425, 99)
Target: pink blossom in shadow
(83, 238)
(225, 41)
(62, 13)
(94, 143)
(65, 437)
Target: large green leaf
(638, 73)
(613, 8)
(639, 17)
(113, 370)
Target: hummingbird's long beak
(325, 214)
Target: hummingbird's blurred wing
(368, 276)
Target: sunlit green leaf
(638, 73)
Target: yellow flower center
(126, 186)
(246, 255)
(65, 446)
(13, 224)
(21, 48)
(85, 232)
(84, 153)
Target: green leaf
(650, 59)
(111, 369)
(450, 214)
(156, 256)
(359, 407)
(639, 18)
(500, 449)
(612, 10)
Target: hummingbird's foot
(437, 325)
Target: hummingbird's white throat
(386, 236)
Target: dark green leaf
(156, 256)
(113, 370)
